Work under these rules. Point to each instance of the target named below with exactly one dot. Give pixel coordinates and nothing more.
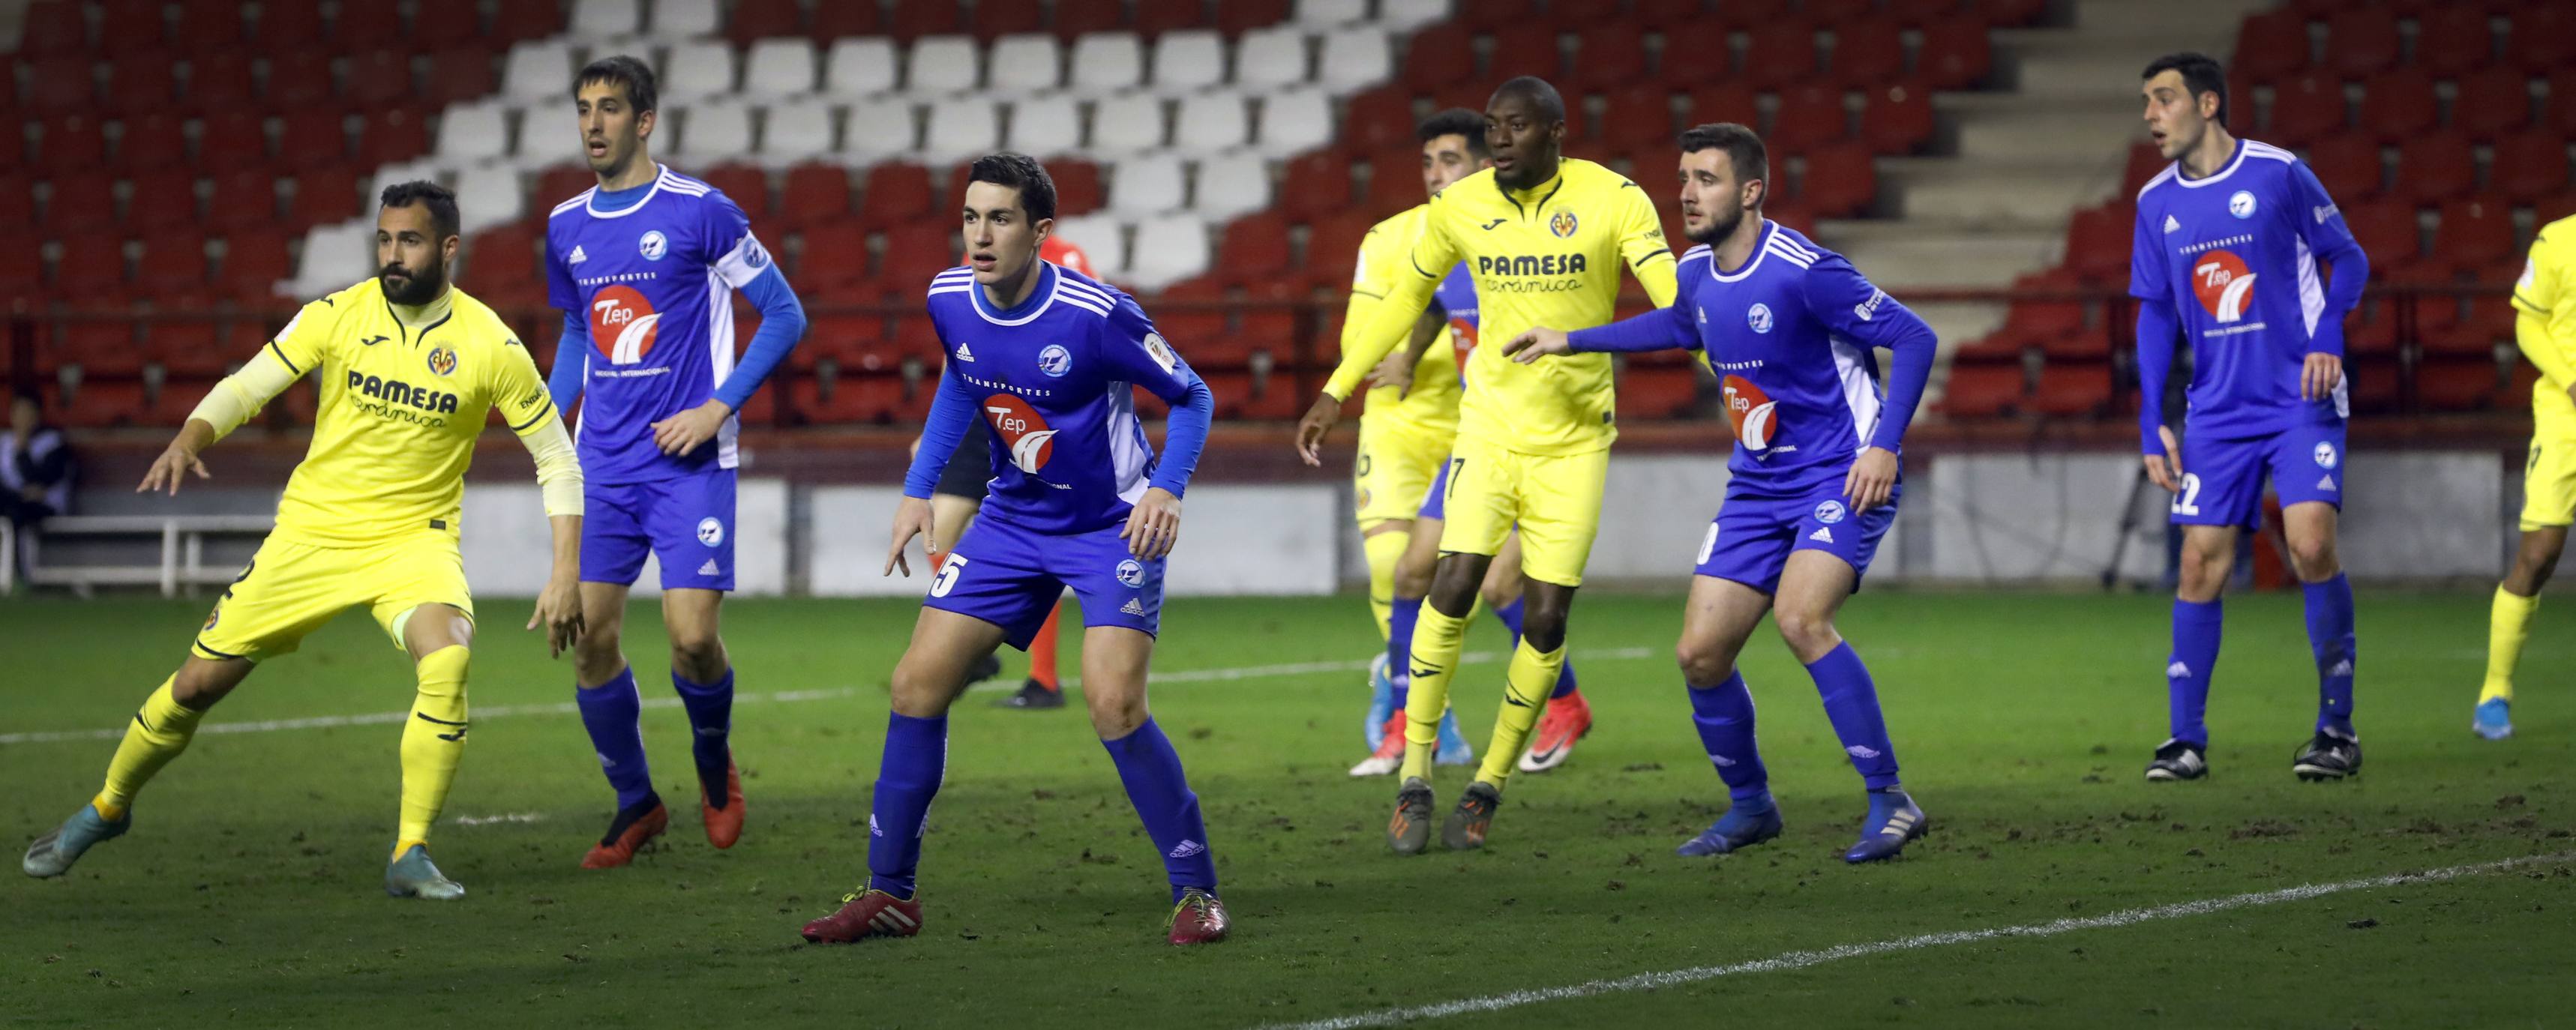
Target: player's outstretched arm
(178, 459)
(232, 402)
(559, 604)
(2157, 329)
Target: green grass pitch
(248, 893)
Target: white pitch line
(780, 697)
(1804, 959)
(506, 817)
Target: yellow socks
(1384, 550)
(160, 730)
(1526, 685)
(1437, 640)
(432, 741)
(2508, 625)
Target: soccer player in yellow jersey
(410, 367)
(1546, 238)
(2544, 303)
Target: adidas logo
(872, 827)
(1861, 751)
(1721, 761)
(605, 762)
(1133, 607)
(2342, 668)
(965, 353)
(2171, 225)
(2326, 483)
(577, 256)
(2177, 671)
(709, 569)
(1822, 535)
(1189, 849)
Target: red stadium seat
(175, 265)
(186, 350)
(504, 253)
(2399, 103)
(142, 82)
(2271, 45)
(870, 399)
(896, 192)
(996, 18)
(53, 27)
(1233, 17)
(254, 261)
(762, 19)
(229, 141)
(834, 21)
(1200, 333)
(1395, 182)
(2362, 42)
(1277, 397)
(218, 80)
(1608, 56)
(1809, 117)
(2474, 232)
(1667, 15)
(561, 183)
(461, 73)
(1333, 245)
(1438, 58)
(163, 203)
(150, 142)
(79, 203)
(1697, 54)
(2544, 37)
(2146, 162)
(1981, 390)
(1897, 119)
(1841, 180)
(105, 405)
(915, 251)
(2348, 166)
(17, 207)
(833, 256)
(514, 23)
(1078, 17)
(815, 193)
(368, 26)
(299, 78)
(2487, 329)
(2098, 241)
(61, 84)
(1780, 54)
(72, 144)
(285, 25)
(2386, 230)
(1312, 185)
(1077, 186)
(2560, 114)
(2492, 102)
(1657, 392)
(2435, 167)
(92, 267)
(315, 136)
(2306, 108)
(1724, 102)
(126, 26)
(1578, 15)
(1270, 317)
(747, 185)
(1868, 52)
(912, 19)
(2453, 39)
(1528, 48)
(435, 30)
(2467, 383)
(2072, 389)
(1922, 14)
(1379, 118)
(2530, 165)
(248, 200)
(387, 137)
(1955, 55)
(1254, 248)
(1638, 118)
(1744, 15)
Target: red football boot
(1199, 918)
(724, 825)
(1566, 720)
(628, 835)
(873, 913)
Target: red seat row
(908, 20)
(2450, 39)
(1600, 57)
(63, 27)
(228, 141)
(2401, 104)
(166, 203)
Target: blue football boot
(412, 875)
(54, 853)
(1742, 826)
(1381, 703)
(1454, 749)
(2494, 720)
(1893, 821)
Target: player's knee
(1413, 577)
(917, 693)
(2313, 557)
(699, 653)
(1115, 715)
(1453, 588)
(1543, 621)
(1809, 634)
(1704, 663)
(199, 685)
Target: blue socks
(1399, 646)
(1510, 614)
(1152, 773)
(1723, 715)
(2330, 638)
(1851, 704)
(611, 711)
(916, 757)
(710, 708)
(2195, 652)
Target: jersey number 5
(948, 573)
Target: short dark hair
(30, 395)
(1743, 146)
(1020, 172)
(1456, 121)
(441, 201)
(2201, 73)
(626, 73)
(1551, 104)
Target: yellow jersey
(401, 405)
(1547, 256)
(1432, 402)
(2545, 323)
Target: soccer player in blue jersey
(1047, 357)
(643, 266)
(1789, 327)
(2228, 247)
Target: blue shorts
(1434, 504)
(686, 522)
(1755, 532)
(1012, 577)
(2222, 482)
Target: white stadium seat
(961, 128)
(715, 133)
(1107, 62)
(797, 130)
(606, 19)
(549, 133)
(860, 66)
(1211, 123)
(1403, 16)
(877, 129)
(1294, 122)
(489, 195)
(474, 132)
(1026, 63)
(1321, 14)
(779, 68)
(1102, 237)
(1147, 185)
(940, 66)
(685, 19)
(407, 171)
(334, 254)
(1355, 59)
(1127, 124)
(1187, 60)
(1270, 58)
(697, 70)
(1046, 126)
(1231, 186)
(1168, 249)
(538, 68)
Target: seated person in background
(36, 467)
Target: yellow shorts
(1394, 468)
(291, 588)
(2549, 482)
(1555, 500)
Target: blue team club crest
(1055, 361)
(1562, 224)
(442, 360)
(1131, 573)
(2241, 204)
(1759, 317)
(653, 245)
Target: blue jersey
(2234, 254)
(653, 282)
(1791, 337)
(1456, 295)
(1053, 379)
